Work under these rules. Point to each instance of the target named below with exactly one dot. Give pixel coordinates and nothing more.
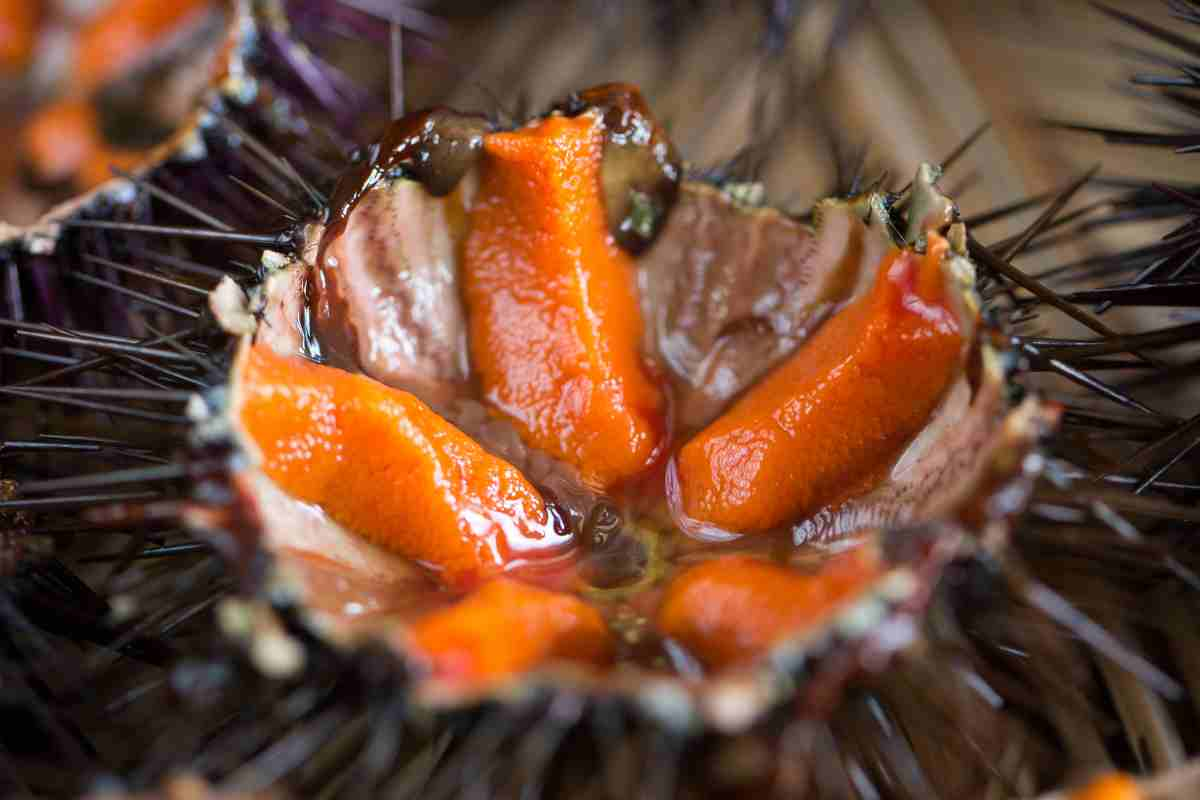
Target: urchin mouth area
(637, 592)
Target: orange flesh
(729, 611)
(555, 337)
(384, 465)
(1113, 786)
(61, 139)
(506, 627)
(63, 142)
(124, 34)
(18, 33)
(827, 423)
(555, 327)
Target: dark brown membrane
(728, 291)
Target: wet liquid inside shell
(570, 445)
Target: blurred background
(810, 97)
(793, 92)
(805, 95)
(906, 80)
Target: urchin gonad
(95, 92)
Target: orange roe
(18, 33)
(1113, 786)
(385, 466)
(506, 627)
(555, 325)
(63, 142)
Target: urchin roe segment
(1111, 786)
(555, 327)
(827, 423)
(506, 627)
(386, 467)
(729, 611)
(18, 33)
(125, 33)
